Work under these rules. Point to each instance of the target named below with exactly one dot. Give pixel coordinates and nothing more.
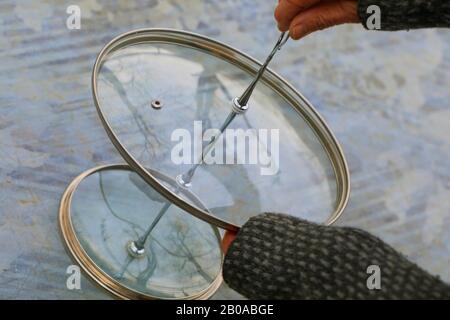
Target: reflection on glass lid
(182, 256)
(164, 104)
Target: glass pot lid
(108, 209)
(162, 96)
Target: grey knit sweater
(277, 256)
(407, 14)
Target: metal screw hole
(157, 104)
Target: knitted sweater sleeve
(407, 14)
(277, 256)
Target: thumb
(322, 16)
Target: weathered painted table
(385, 95)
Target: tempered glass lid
(163, 94)
(107, 210)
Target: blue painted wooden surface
(385, 95)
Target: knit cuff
(257, 255)
(406, 14)
(277, 256)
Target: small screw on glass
(156, 104)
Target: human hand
(302, 17)
(228, 238)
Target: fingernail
(282, 27)
(297, 32)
